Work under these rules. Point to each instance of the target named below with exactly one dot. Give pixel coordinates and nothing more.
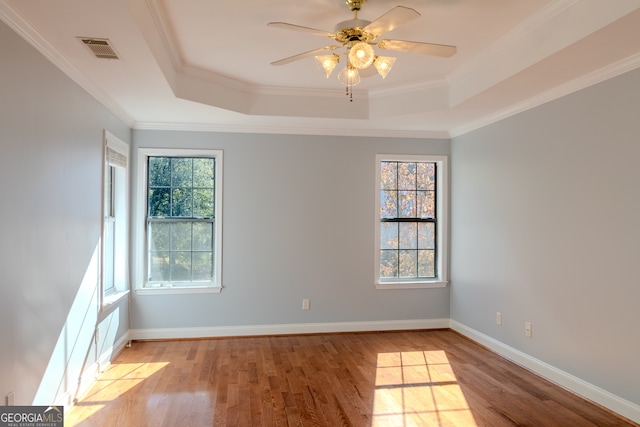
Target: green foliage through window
(181, 219)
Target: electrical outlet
(498, 318)
(11, 399)
(305, 304)
(527, 329)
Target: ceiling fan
(358, 36)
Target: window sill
(166, 290)
(113, 299)
(411, 285)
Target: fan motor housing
(352, 30)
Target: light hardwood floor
(413, 378)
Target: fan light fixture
(359, 37)
(327, 63)
(383, 64)
(361, 55)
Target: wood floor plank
(410, 378)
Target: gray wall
(545, 210)
(544, 229)
(298, 223)
(50, 187)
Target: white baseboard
(90, 373)
(286, 329)
(589, 391)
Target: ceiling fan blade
(418, 47)
(304, 55)
(392, 19)
(294, 27)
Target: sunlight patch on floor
(418, 388)
(117, 379)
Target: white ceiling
(205, 64)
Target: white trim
(14, 20)
(91, 373)
(166, 290)
(411, 285)
(572, 383)
(121, 262)
(442, 231)
(287, 329)
(114, 299)
(289, 130)
(110, 354)
(605, 73)
(140, 217)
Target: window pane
(407, 204)
(181, 188)
(159, 172)
(426, 176)
(109, 254)
(203, 173)
(407, 197)
(388, 263)
(182, 202)
(426, 263)
(388, 175)
(426, 235)
(181, 266)
(408, 235)
(181, 236)
(406, 176)
(426, 204)
(408, 264)
(181, 172)
(203, 236)
(159, 202)
(388, 204)
(202, 266)
(389, 235)
(203, 203)
(159, 236)
(158, 266)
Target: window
(182, 218)
(411, 238)
(114, 267)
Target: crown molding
(530, 43)
(605, 73)
(14, 20)
(282, 130)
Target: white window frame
(141, 219)
(442, 235)
(116, 155)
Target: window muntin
(182, 219)
(410, 232)
(408, 220)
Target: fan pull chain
(348, 90)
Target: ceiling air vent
(99, 47)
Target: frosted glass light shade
(349, 76)
(383, 64)
(327, 63)
(361, 55)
